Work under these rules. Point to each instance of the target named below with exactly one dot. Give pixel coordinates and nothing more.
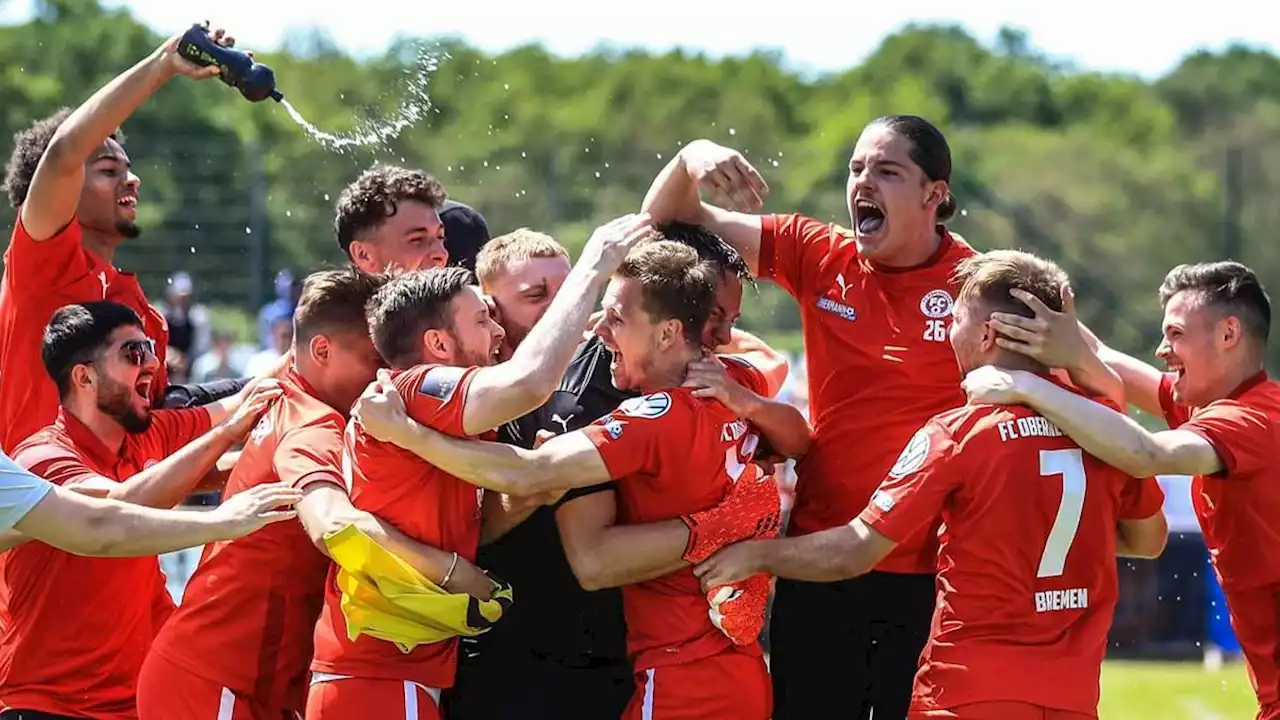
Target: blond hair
(991, 276)
(524, 244)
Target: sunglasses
(136, 352)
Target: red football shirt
(421, 501)
(1239, 513)
(39, 278)
(879, 366)
(671, 454)
(76, 629)
(1026, 569)
(250, 608)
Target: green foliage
(1116, 178)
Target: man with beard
(562, 649)
(77, 199)
(75, 630)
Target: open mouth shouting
(868, 216)
(129, 203)
(142, 386)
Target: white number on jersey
(935, 330)
(738, 457)
(1069, 465)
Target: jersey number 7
(1069, 465)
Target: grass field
(1174, 691)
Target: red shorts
(1255, 616)
(727, 686)
(999, 711)
(168, 692)
(338, 697)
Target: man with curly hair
(77, 198)
(389, 218)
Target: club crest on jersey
(647, 407)
(936, 304)
(441, 381)
(913, 455)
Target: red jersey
(75, 630)
(672, 454)
(880, 365)
(421, 501)
(1239, 509)
(250, 608)
(39, 278)
(1026, 570)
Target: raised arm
(504, 392)
(84, 525)
(55, 187)
(724, 172)
(1112, 437)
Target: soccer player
(875, 303)
(562, 649)
(241, 641)
(389, 217)
(436, 332)
(56, 653)
(1026, 582)
(1224, 418)
(77, 200)
(655, 308)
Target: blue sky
(1147, 38)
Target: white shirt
(19, 492)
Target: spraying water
(378, 132)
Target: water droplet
(964, 213)
(732, 132)
(248, 230)
(597, 173)
(659, 156)
(448, 168)
(193, 249)
(486, 163)
(586, 150)
(326, 197)
(288, 213)
(506, 86)
(524, 154)
(773, 162)
(462, 168)
(197, 226)
(606, 166)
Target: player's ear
(362, 258)
(320, 349)
(439, 343)
(83, 376)
(989, 335)
(1229, 332)
(670, 332)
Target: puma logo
(564, 422)
(844, 287)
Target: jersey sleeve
(1241, 435)
(745, 374)
(55, 463)
(792, 250)
(1174, 414)
(436, 395)
(917, 486)
(20, 491)
(311, 453)
(630, 439)
(174, 429)
(1140, 498)
(46, 265)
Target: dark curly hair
(28, 147)
(373, 197)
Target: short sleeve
(917, 486)
(55, 463)
(436, 395)
(793, 248)
(311, 453)
(1140, 498)
(1174, 414)
(745, 374)
(20, 491)
(1242, 436)
(49, 264)
(171, 430)
(630, 439)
